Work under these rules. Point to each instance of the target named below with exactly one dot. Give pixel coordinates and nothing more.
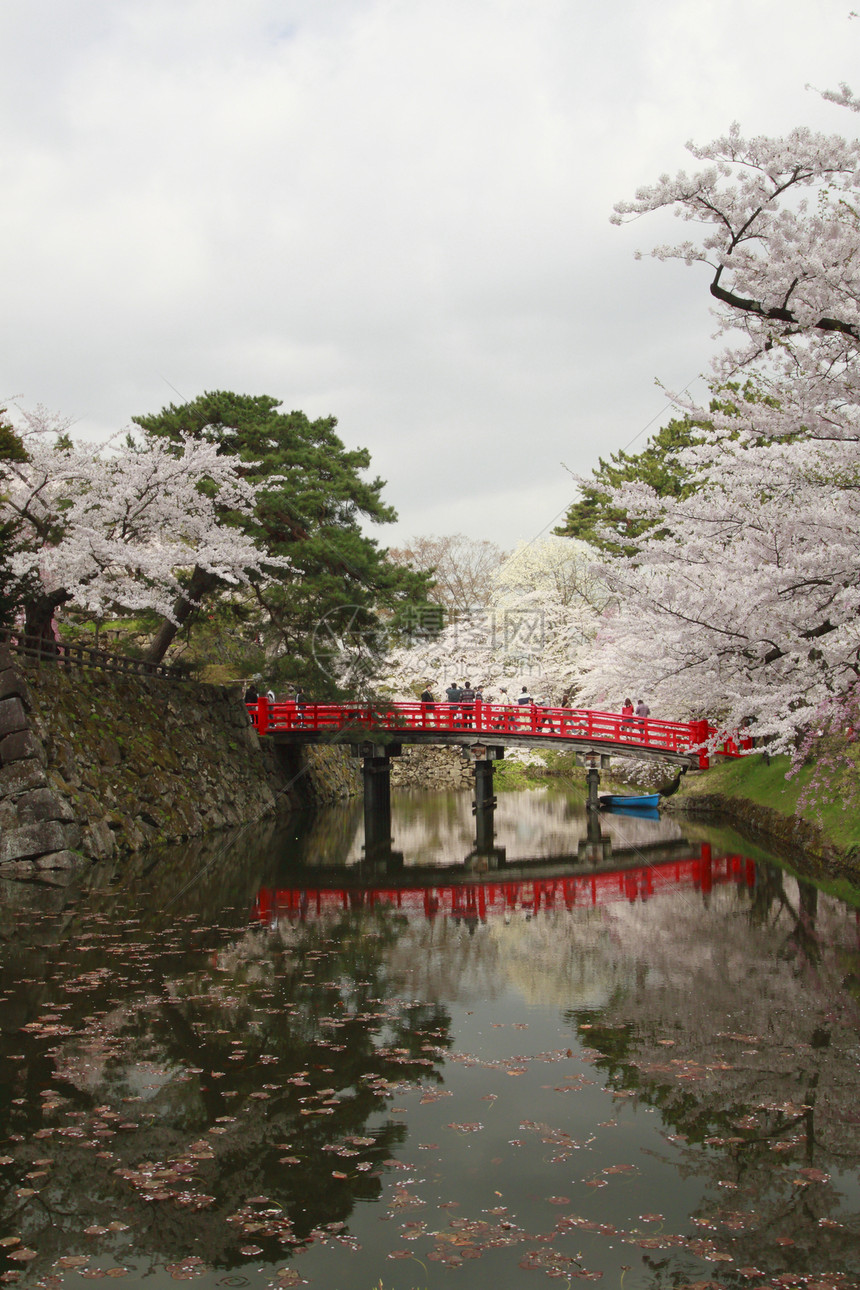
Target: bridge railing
(485, 720)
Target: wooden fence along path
(71, 654)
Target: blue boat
(643, 802)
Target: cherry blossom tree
(746, 605)
(461, 567)
(543, 604)
(115, 527)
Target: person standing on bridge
(251, 699)
(467, 700)
(290, 707)
(452, 694)
(545, 720)
(498, 719)
(428, 704)
(642, 712)
(300, 700)
(626, 716)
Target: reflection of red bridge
(481, 900)
(491, 723)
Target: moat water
(266, 1060)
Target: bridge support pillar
(376, 775)
(484, 805)
(592, 780)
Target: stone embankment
(436, 769)
(788, 835)
(94, 764)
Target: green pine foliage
(341, 583)
(592, 518)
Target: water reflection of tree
(329, 835)
(748, 1048)
(318, 1000)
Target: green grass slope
(835, 810)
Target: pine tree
(313, 501)
(595, 515)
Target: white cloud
(395, 211)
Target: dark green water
(264, 1061)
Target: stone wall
(433, 768)
(94, 763)
(790, 836)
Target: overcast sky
(393, 211)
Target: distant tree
(461, 567)
(312, 500)
(544, 605)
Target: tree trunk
(39, 619)
(201, 583)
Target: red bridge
(583, 729)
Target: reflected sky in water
(265, 1060)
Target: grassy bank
(835, 813)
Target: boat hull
(643, 802)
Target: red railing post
(262, 714)
(699, 731)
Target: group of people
(628, 712)
(467, 695)
(293, 698)
(462, 697)
(460, 700)
(253, 695)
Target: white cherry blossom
(746, 607)
(113, 527)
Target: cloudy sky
(393, 211)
